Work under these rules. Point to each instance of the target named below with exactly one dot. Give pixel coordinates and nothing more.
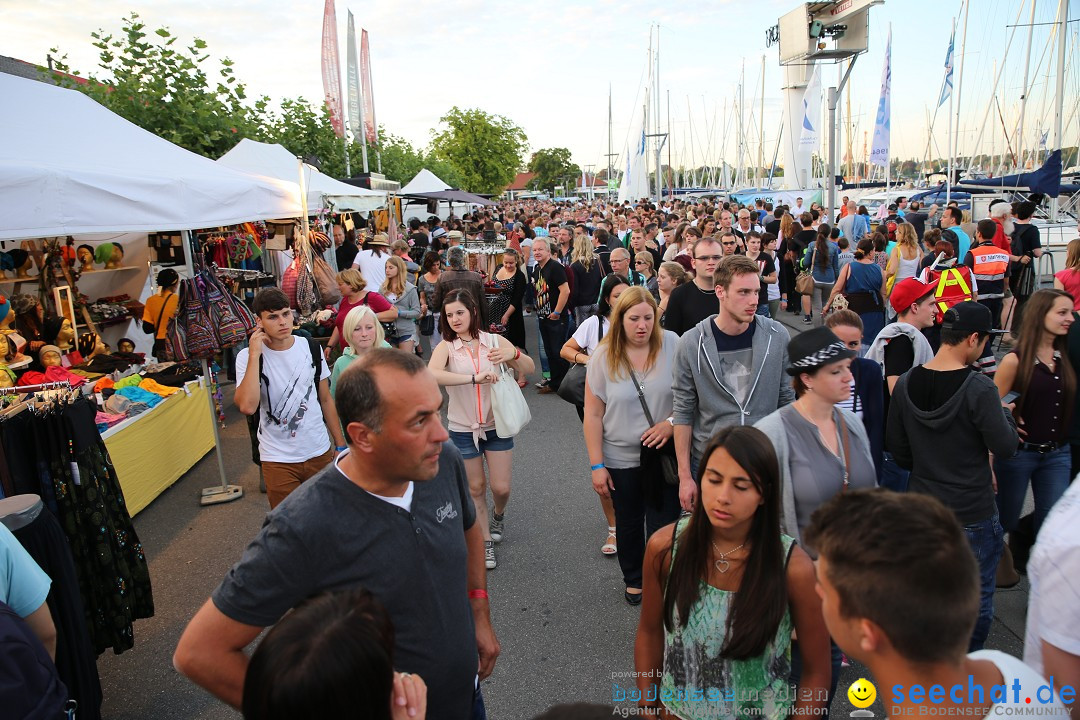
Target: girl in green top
(362, 332)
(723, 590)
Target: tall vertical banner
(369, 93)
(331, 72)
(810, 137)
(352, 80)
(879, 151)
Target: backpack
(30, 686)
(890, 227)
(255, 419)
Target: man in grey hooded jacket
(729, 369)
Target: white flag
(879, 151)
(810, 137)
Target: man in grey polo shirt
(392, 514)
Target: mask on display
(110, 253)
(7, 378)
(50, 356)
(85, 254)
(65, 336)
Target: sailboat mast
(609, 153)
(739, 176)
(960, 81)
(1024, 90)
(1059, 99)
(761, 129)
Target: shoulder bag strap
(845, 448)
(161, 313)
(641, 398)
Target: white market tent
(424, 182)
(69, 166)
(323, 191)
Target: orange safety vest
(990, 265)
(951, 286)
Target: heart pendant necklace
(721, 564)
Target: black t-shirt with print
(548, 281)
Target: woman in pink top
(354, 292)
(1068, 278)
(464, 364)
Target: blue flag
(946, 89)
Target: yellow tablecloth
(156, 448)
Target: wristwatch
(671, 421)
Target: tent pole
(225, 492)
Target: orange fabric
(105, 383)
(990, 261)
(158, 389)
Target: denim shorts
(403, 338)
(463, 441)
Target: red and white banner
(331, 68)
(369, 96)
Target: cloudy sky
(547, 66)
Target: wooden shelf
(34, 278)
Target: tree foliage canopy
(486, 150)
(552, 166)
(167, 90)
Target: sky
(548, 66)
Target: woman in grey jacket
(822, 449)
(403, 295)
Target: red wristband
(478, 594)
(517, 354)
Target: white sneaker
(489, 555)
(496, 528)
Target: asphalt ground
(557, 606)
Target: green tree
(305, 130)
(552, 166)
(486, 150)
(149, 81)
(401, 161)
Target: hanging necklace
(721, 564)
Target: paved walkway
(557, 604)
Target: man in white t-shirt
(284, 380)
(371, 261)
(1052, 638)
(899, 591)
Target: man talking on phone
(283, 380)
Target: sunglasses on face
(727, 243)
(708, 258)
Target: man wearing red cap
(899, 347)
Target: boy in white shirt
(284, 379)
(900, 594)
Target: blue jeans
(893, 477)
(763, 309)
(985, 539)
(1049, 476)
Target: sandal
(609, 548)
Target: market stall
(73, 168)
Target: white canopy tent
(323, 191)
(424, 182)
(69, 166)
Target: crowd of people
(777, 500)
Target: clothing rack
(21, 389)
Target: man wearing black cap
(945, 421)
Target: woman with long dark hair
(822, 259)
(465, 363)
(1039, 369)
(861, 282)
(723, 591)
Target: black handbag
(427, 325)
(656, 462)
(572, 387)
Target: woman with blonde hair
(354, 292)
(1068, 278)
(643, 263)
(905, 257)
(362, 331)
(585, 267)
(670, 276)
(631, 371)
(403, 295)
